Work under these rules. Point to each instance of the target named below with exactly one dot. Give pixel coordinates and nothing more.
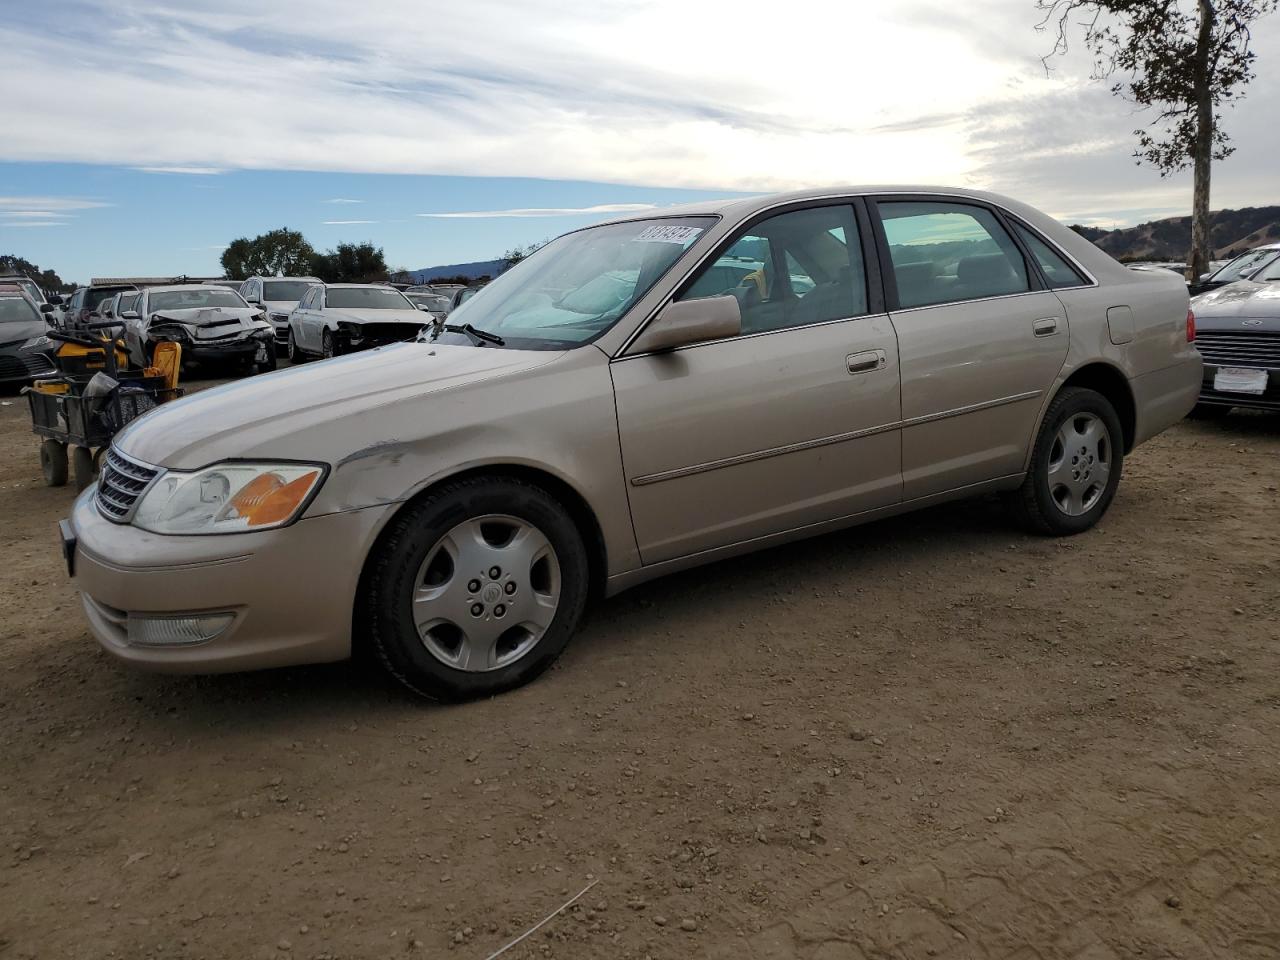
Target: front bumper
(1269, 400)
(290, 592)
(24, 365)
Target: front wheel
(293, 351)
(269, 364)
(326, 345)
(474, 589)
(1075, 466)
(82, 466)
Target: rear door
(792, 423)
(981, 339)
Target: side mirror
(46, 308)
(421, 306)
(252, 299)
(55, 298)
(129, 315)
(690, 321)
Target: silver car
(633, 399)
(277, 297)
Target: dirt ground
(928, 737)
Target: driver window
(791, 270)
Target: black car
(1240, 268)
(25, 351)
(1238, 334)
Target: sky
(149, 134)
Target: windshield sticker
(668, 234)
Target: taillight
(1191, 326)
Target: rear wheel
(326, 345)
(53, 463)
(475, 589)
(82, 466)
(1075, 466)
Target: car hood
(321, 412)
(13, 335)
(280, 306)
(379, 316)
(1226, 306)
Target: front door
(793, 422)
(980, 341)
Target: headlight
(228, 498)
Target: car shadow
(358, 692)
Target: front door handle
(1045, 327)
(865, 362)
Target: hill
(471, 271)
(1232, 232)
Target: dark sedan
(24, 349)
(1238, 334)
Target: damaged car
(25, 350)
(211, 323)
(338, 318)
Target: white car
(212, 324)
(278, 297)
(338, 318)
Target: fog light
(176, 631)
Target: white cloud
(336, 223)
(33, 223)
(343, 200)
(179, 169)
(55, 205)
(544, 211)
(751, 99)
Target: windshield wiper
(479, 337)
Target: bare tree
(1185, 59)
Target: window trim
(1016, 224)
(862, 221)
(1035, 281)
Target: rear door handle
(865, 362)
(1045, 327)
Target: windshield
(128, 301)
(17, 310)
(429, 300)
(1245, 263)
(291, 290)
(366, 298)
(1272, 271)
(94, 297)
(195, 299)
(578, 286)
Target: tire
(293, 351)
(493, 649)
(82, 466)
(53, 463)
(1060, 497)
(266, 366)
(1208, 411)
(326, 345)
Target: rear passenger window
(944, 252)
(1057, 271)
(791, 270)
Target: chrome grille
(29, 365)
(1223, 348)
(120, 482)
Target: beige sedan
(633, 399)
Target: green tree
(350, 263)
(47, 280)
(516, 254)
(277, 253)
(1185, 59)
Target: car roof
(742, 207)
(185, 286)
(259, 276)
(375, 286)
